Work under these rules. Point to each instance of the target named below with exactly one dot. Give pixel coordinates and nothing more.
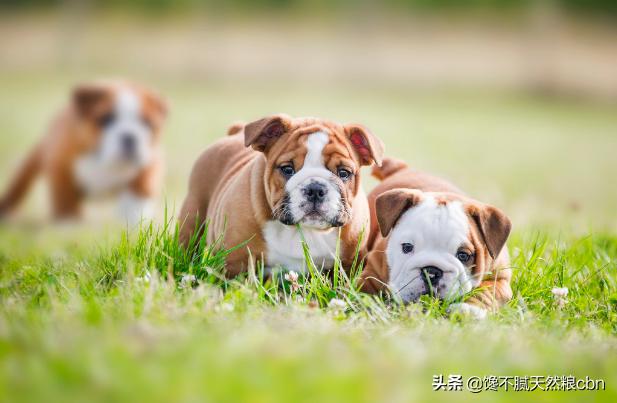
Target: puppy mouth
(313, 214)
(128, 159)
(312, 217)
(415, 297)
(434, 291)
(310, 214)
(315, 218)
(442, 292)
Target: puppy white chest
(284, 246)
(97, 178)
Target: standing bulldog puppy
(277, 174)
(106, 141)
(428, 238)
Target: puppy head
(122, 121)
(312, 167)
(440, 244)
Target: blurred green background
(588, 6)
(513, 101)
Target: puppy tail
(389, 167)
(235, 128)
(21, 181)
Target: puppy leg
(192, 215)
(136, 203)
(134, 209)
(21, 181)
(194, 208)
(373, 279)
(65, 196)
(237, 262)
(490, 296)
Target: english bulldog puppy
(104, 142)
(279, 180)
(428, 238)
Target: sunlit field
(95, 312)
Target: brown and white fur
(269, 177)
(104, 142)
(428, 238)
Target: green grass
(79, 321)
(92, 325)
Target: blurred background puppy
(104, 143)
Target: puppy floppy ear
(89, 98)
(392, 204)
(157, 103)
(264, 132)
(368, 146)
(154, 109)
(494, 226)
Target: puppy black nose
(431, 274)
(315, 192)
(128, 143)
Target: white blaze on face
(436, 233)
(127, 126)
(314, 171)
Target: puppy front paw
(467, 310)
(134, 209)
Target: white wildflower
(292, 277)
(187, 281)
(336, 304)
(560, 294)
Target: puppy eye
(344, 174)
(407, 248)
(287, 170)
(105, 120)
(463, 256)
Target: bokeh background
(515, 101)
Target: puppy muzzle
(431, 277)
(318, 203)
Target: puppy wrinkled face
(429, 252)
(125, 132)
(317, 184)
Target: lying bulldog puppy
(267, 177)
(105, 141)
(428, 238)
